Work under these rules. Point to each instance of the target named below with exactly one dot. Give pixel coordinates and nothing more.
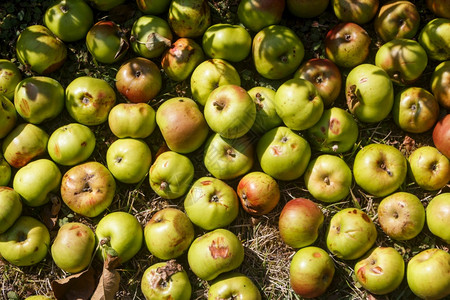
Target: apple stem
(231, 153)
(218, 105)
(214, 198)
(347, 37)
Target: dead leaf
(49, 214)
(156, 41)
(108, 284)
(79, 286)
(122, 13)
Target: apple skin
(258, 192)
(381, 270)
(10, 76)
(189, 18)
(360, 12)
(277, 52)
(153, 7)
(5, 171)
(25, 243)
(133, 120)
(257, 14)
(105, 5)
(311, 272)
(299, 223)
(435, 39)
(438, 216)
(427, 274)
(350, 234)
(106, 42)
(120, 231)
(328, 178)
(169, 233)
(73, 247)
(441, 135)
(233, 284)
(211, 203)
(8, 116)
(38, 297)
(440, 84)
(266, 113)
(10, 207)
(88, 188)
(215, 252)
(401, 216)
(307, 8)
(429, 168)
(439, 7)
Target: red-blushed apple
(259, 193)
(350, 234)
(299, 223)
(8, 116)
(440, 84)
(266, 113)
(307, 8)
(134, 120)
(438, 216)
(439, 7)
(233, 285)
(435, 39)
(381, 270)
(360, 12)
(257, 14)
(107, 42)
(189, 18)
(441, 135)
(153, 7)
(311, 272)
(10, 207)
(10, 76)
(401, 216)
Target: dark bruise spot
(79, 233)
(362, 275)
(218, 250)
(365, 218)
(322, 129)
(84, 144)
(36, 249)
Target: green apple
(439, 8)
(189, 18)
(360, 12)
(153, 7)
(233, 285)
(133, 120)
(266, 113)
(8, 116)
(10, 76)
(257, 14)
(438, 216)
(429, 168)
(440, 84)
(10, 207)
(306, 8)
(435, 39)
(106, 42)
(105, 5)
(38, 297)
(5, 171)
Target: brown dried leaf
(156, 41)
(79, 286)
(50, 213)
(109, 281)
(122, 13)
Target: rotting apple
(257, 14)
(8, 116)
(233, 284)
(438, 216)
(107, 42)
(307, 8)
(440, 84)
(360, 12)
(10, 207)
(266, 113)
(435, 39)
(189, 18)
(10, 76)
(133, 120)
(441, 135)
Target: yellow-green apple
(228, 158)
(89, 100)
(233, 285)
(350, 234)
(120, 231)
(25, 142)
(139, 80)
(379, 169)
(360, 12)
(401, 216)
(307, 8)
(105, 5)
(369, 93)
(182, 124)
(440, 84)
(283, 154)
(10, 76)
(427, 274)
(88, 188)
(258, 192)
(381, 270)
(209, 75)
(211, 203)
(133, 120)
(38, 297)
(153, 7)
(311, 272)
(438, 216)
(300, 222)
(230, 111)
(441, 135)
(38, 49)
(166, 280)
(129, 160)
(328, 178)
(429, 168)
(439, 8)
(347, 45)
(277, 52)
(266, 113)
(69, 20)
(73, 247)
(171, 175)
(214, 253)
(435, 39)
(181, 59)
(25, 243)
(5, 171)
(38, 99)
(189, 18)
(257, 14)
(169, 233)
(106, 42)
(8, 116)
(10, 207)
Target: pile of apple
(258, 136)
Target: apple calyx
(64, 8)
(161, 275)
(214, 199)
(163, 185)
(385, 168)
(258, 101)
(219, 105)
(352, 98)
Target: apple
(71, 144)
(233, 285)
(438, 216)
(10, 76)
(266, 113)
(347, 45)
(307, 8)
(25, 243)
(257, 14)
(441, 135)
(381, 270)
(105, 5)
(189, 18)
(129, 160)
(38, 99)
(401, 216)
(435, 39)
(10, 207)
(5, 171)
(169, 233)
(139, 80)
(166, 280)
(39, 50)
(300, 222)
(171, 175)
(226, 41)
(106, 42)
(88, 188)
(440, 84)
(277, 51)
(283, 154)
(133, 120)
(69, 20)
(360, 12)
(120, 231)
(311, 272)
(89, 100)
(427, 274)
(258, 192)
(211, 203)
(228, 158)
(369, 93)
(25, 142)
(298, 104)
(153, 7)
(328, 178)
(209, 75)
(429, 168)
(404, 60)
(38, 297)
(230, 111)
(36, 181)
(73, 247)
(182, 124)
(439, 7)
(8, 116)
(214, 253)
